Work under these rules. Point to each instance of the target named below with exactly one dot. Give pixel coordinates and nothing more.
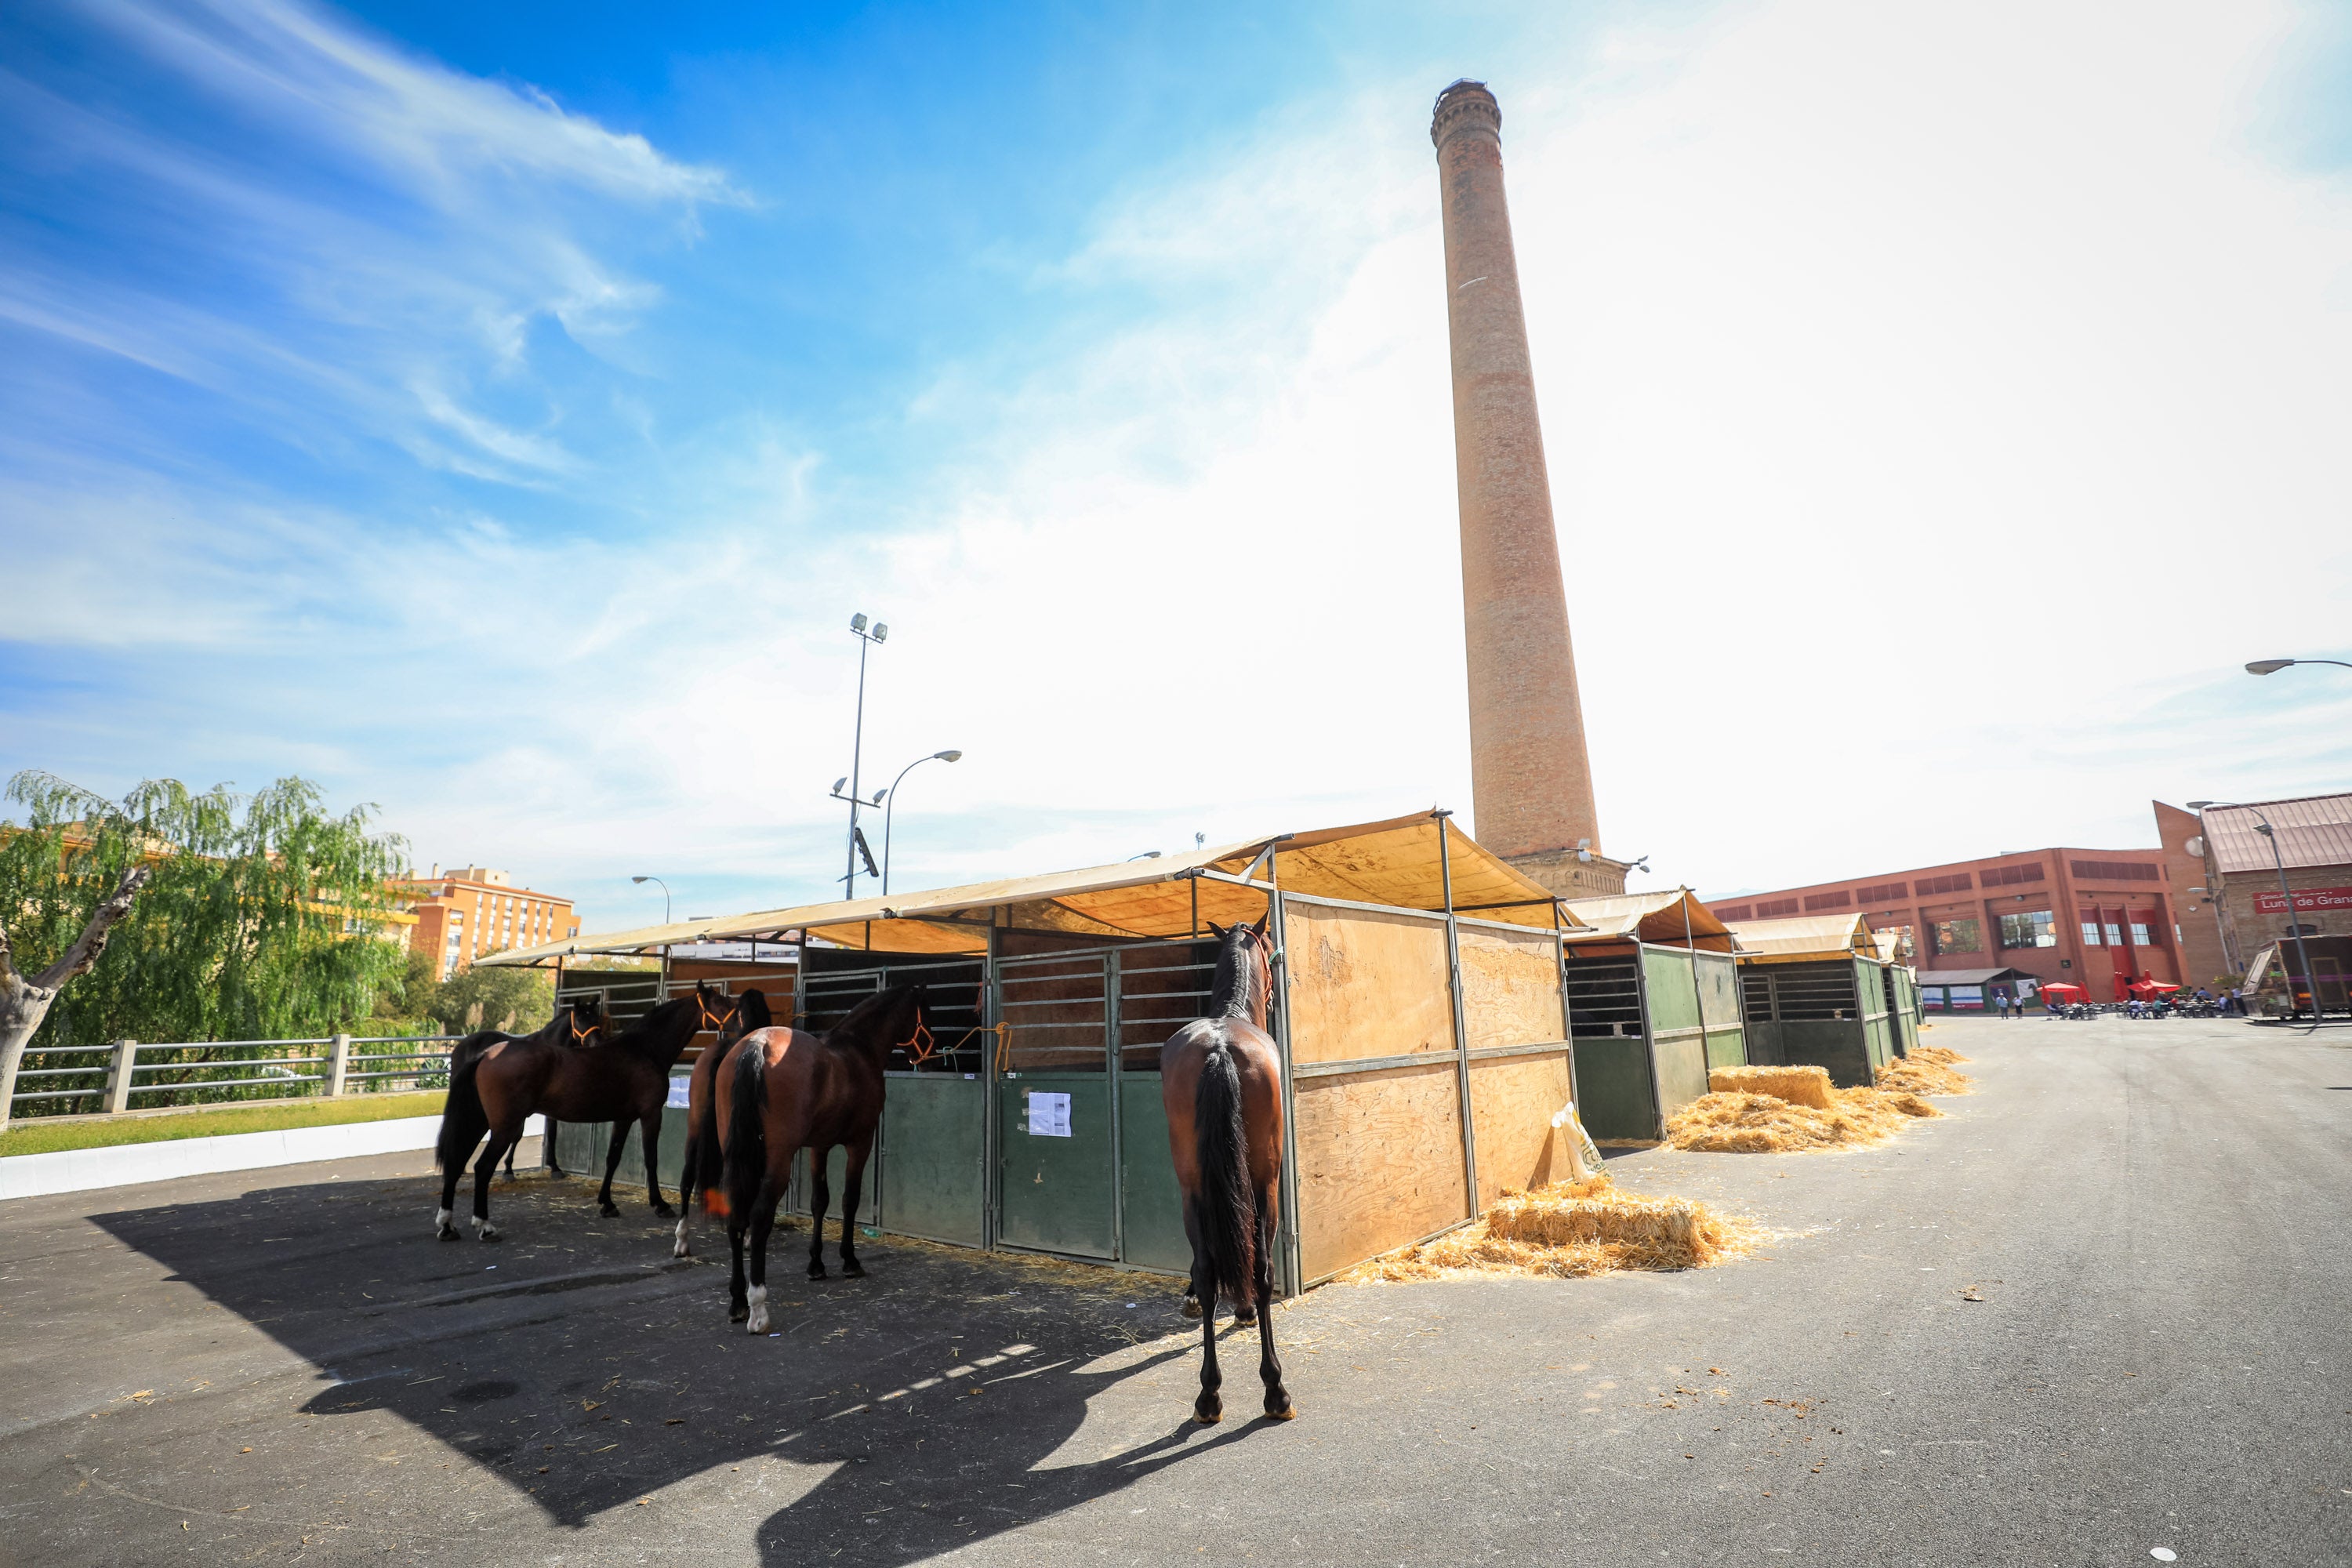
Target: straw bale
(1570, 1230)
(1797, 1085)
(1942, 1056)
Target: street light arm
(891, 810)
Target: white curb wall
(123, 1164)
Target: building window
(1956, 936)
(2139, 934)
(1884, 893)
(2114, 934)
(2090, 931)
(2033, 930)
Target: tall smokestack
(1530, 776)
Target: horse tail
(1228, 1205)
(745, 1163)
(705, 1160)
(463, 1120)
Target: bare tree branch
(83, 953)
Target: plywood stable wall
(1365, 984)
(1510, 988)
(1380, 1163)
(1512, 1101)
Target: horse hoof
(1279, 1408)
(737, 1311)
(664, 1211)
(852, 1269)
(489, 1232)
(446, 1233)
(1207, 1413)
(1245, 1317)
(816, 1271)
(757, 1319)
(1192, 1306)
(608, 1211)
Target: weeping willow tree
(260, 916)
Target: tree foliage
(264, 919)
(516, 1000)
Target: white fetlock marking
(441, 1219)
(682, 1250)
(758, 1322)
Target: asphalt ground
(286, 1367)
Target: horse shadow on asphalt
(585, 1369)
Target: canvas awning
(1805, 937)
(1396, 863)
(1664, 918)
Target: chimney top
(1464, 102)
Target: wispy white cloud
(1909, 397)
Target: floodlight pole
(865, 640)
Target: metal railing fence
(134, 1075)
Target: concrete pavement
(285, 1365)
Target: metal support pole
(1461, 1022)
(1567, 1014)
(1293, 1281)
(338, 1064)
(118, 1075)
(1649, 1039)
(1698, 994)
(1116, 1087)
(993, 1014)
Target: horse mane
(751, 1011)
(1239, 988)
(656, 1028)
(867, 1015)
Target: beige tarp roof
(1394, 862)
(1662, 917)
(1806, 936)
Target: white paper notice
(679, 1099)
(1049, 1115)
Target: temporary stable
(1653, 1003)
(1820, 991)
(1420, 1002)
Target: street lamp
(2263, 826)
(866, 640)
(891, 810)
(2273, 666)
(665, 887)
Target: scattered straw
(1569, 1230)
(1797, 1085)
(1761, 1124)
(1921, 1073)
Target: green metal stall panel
(579, 1149)
(1671, 989)
(1727, 1040)
(1055, 1192)
(1612, 1076)
(934, 1175)
(1151, 1211)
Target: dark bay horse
(783, 1090)
(1220, 1084)
(703, 1169)
(497, 1088)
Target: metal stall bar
(993, 1014)
(1112, 1067)
(1461, 1021)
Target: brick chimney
(1530, 780)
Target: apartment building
(469, 911)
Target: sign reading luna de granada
(2307, 901)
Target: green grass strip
(37, 1138)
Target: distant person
(2000, 1000)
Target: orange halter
(579, 1034)
(714, 1022)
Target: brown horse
(783, 1090)
(703, 1169)
(497, 1086)
(1220, 1084)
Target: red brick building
(2088, 917)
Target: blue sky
(495, 413)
